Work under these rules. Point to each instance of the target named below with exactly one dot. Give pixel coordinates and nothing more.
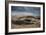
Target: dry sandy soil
(15, 26)
(22, 25)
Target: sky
(22, 10)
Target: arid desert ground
(19, 22)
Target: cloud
(21, 13)
(20, 10)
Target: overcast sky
(21, 10)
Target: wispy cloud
(23, 14)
